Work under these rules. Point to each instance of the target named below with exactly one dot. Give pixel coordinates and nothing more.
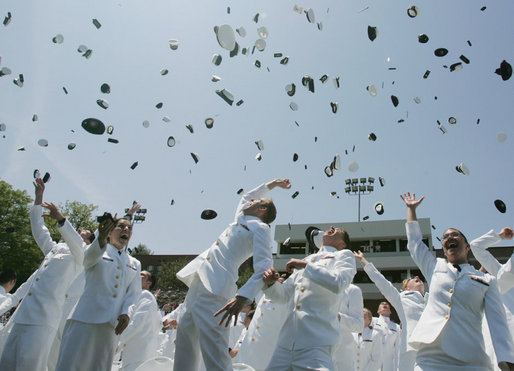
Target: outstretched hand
(506, 234)
(282, 183)
(135, 207)
(104, 229)
(410, 201)
(232, 308)
(39, 188)
(293, 264)
(53, 211)
(360, 257)
(270, 276)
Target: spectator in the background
(7, 282)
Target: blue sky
(131, 48)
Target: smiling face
(384, 309)
(120, 235)
(335, 237)
(414, 284)
(455, 246)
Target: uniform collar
(327, 248)
(2, 290)
(115, 251)
(385, 319)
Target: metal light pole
(353, 188)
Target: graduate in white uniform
(409, 305)
(211, 278)
(113, 284)
(170, 324)
(368, 346)
(311, 330)
(392, 337)
(37, 318)
(503, 274)
(448, 335)
(350, 320)
(140, 340)
(7, 282)
(262, 335)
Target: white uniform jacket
(409, 305)
(456, 305)
(261, 339)
(368, 349)
(392, 333)
(352, 320)
(43, 302)
(113, 284)
(503, 272)
(140, 340)
(218, 266)
(316, 292)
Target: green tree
(168, 276)
(18, 250)
(140, 249)
(244, 275)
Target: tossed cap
(372, 33)
(413, 11)
(395, 100)
(195, 157)
(93, 126)
(105, 88)
(310, 15)
(208, 214)
(42, 142)
(226, 96)
(440, 52)
(372, 137)
(171, 141)
(505, 70)
(209, 122)
(102, 103)
(134, 165)
(226, 37)
(58, 39)
(500, 205)
(71, 146)
(372, 90)
(463, 169)
(379, 208)
(423, 38)
(46, 178)
(173, 44)
(314, 237)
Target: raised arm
(385, 287)
(479, 248)
(260, 192)
(419, 252)
(68, 233)
(506, 277)
(37, 223)
(94, 252)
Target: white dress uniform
(113, 284)
(391, 342)
(167, 340)
(352, 320)
(504, 276)
(409, 306)
(368, 349)
(37, 317)
(449, 333)
(211, 278)
(262, 335)
(312, 328)
(140, 340)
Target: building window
(361, 277)
(363, 246)
(394, 276)
(150, 268)
(385, 245)
(296, 248)
(403, 244)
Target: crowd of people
(89, 306)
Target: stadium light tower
(356, 187)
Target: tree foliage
(18, 250)
(139, 250)
(168, 276)
(244, 275)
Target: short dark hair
(153, 280)
(458, 230)
(7, 275)
(346, 238)
(271, 211)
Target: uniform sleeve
(262, 261)
(420, 252)
(139, 314)
(484, 257)
(93, 254)
(498, 327)
(254, 194)
(336, 279)
(73, 240)
(387, 289)
(133, 291)
(353, 320)
(39, 230)
(281, 293)
(506, 277)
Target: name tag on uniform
(245, 227)
(479, 280)
(328, 257)
(104, 258)
(134, 268)
(367, 340)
